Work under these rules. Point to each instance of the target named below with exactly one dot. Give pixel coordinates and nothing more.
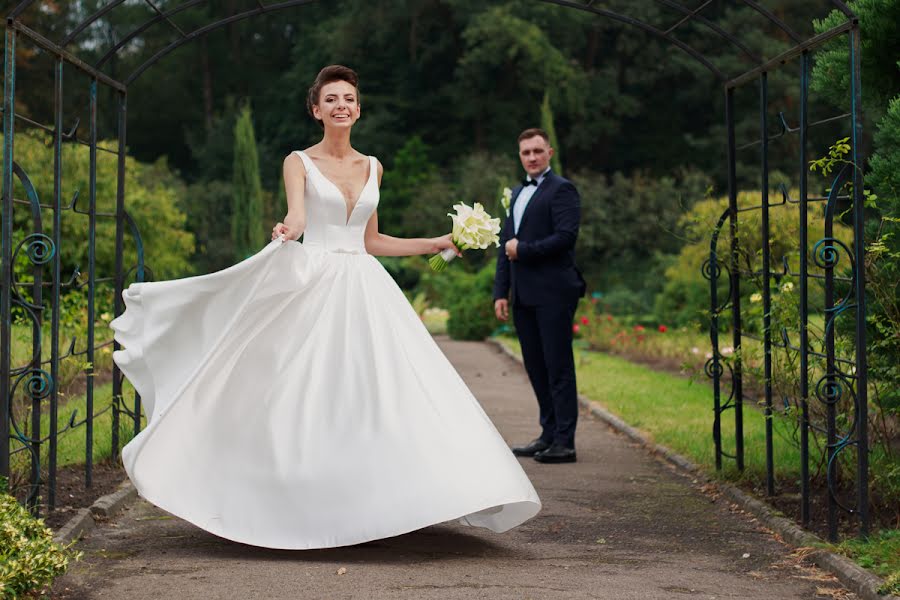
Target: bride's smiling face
(338, 105)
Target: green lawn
(71, 448)
(677, 413)
(71, 444)
(880, 554)
(69, 368)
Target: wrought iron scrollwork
(838, 408)
(39, 248)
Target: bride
(295, 400)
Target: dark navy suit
(544, 285)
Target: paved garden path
(616, 525)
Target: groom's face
(535, 153)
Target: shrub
(685, 296)
(883, 264)
(29, 560)
(402, 184)
(619, 214)
(468, 298)
(406, 270)
(626, 302)
(471, 318)
(151, 198)
(207, 205)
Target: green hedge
(684, 298)
(471, 318)
(468, 296)
(29, 560)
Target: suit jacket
(545, 271)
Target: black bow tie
(526, 182)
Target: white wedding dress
(295, 400)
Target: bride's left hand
(444, 242)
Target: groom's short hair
(327, 75)
(533, 132)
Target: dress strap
(307, 161)
(311, 166)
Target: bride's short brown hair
(327, 75)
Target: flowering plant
(473, 228)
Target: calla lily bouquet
(473, 229)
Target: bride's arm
(379, 244)
(294, 185)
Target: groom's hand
(512, 247)
(501, 308)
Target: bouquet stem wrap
(439, 261)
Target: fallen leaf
(836, 594)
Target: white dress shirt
(523, 198)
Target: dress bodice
(327, 225)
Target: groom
(536, 272)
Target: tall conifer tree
(547, 125)
(247, 209)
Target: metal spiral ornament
(40, 384)
(39, 248)
(829, 390)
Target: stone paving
(618, 524)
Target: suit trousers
(545, 333)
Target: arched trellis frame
(841, 379)
(44, 251)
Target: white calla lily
(473, 228)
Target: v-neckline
(352, 209)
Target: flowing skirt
(295, 400)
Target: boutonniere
(506, 199)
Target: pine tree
(247, 210)
(547, 125)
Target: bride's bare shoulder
(293, 164)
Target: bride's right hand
(287, 229)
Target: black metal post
(830, 394)
(36, 391)
(862, 380)
(55, 314)
(766, 277)
(804, 293)
(92, 259)
(6, 221)
(735, 283)
(715, 361)
(120, 282)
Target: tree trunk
(207, 84)
(234, 36)
(593, 45)
(413, 34)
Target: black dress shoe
(532, 448)
(556, 454)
